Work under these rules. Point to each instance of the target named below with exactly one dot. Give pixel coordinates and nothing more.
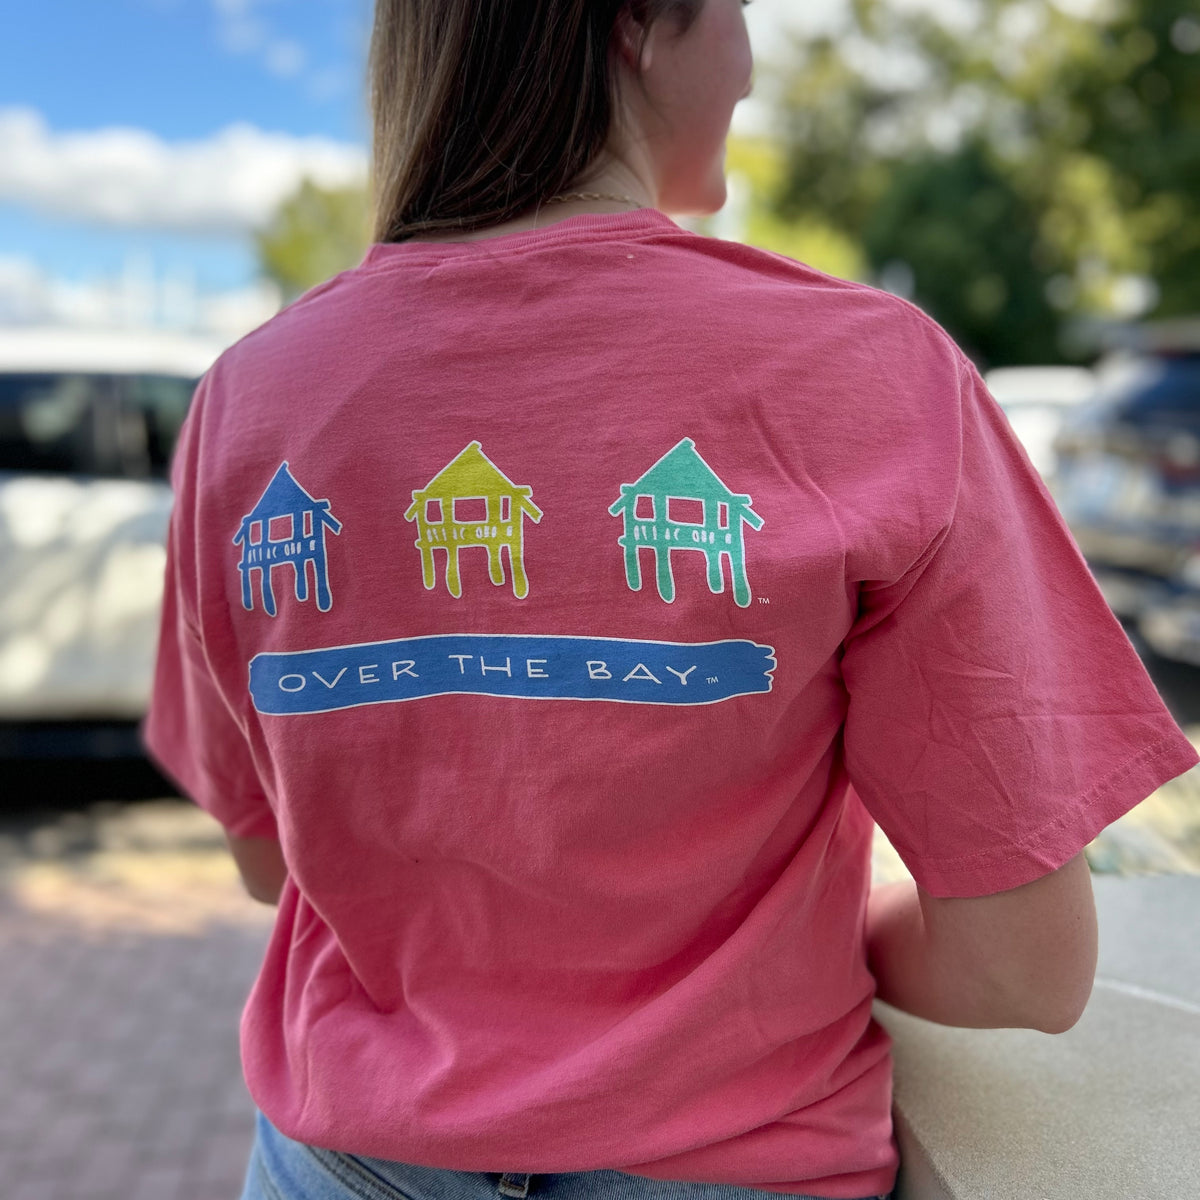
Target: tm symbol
(763, 600)
(712, 679)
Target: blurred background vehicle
(1128, 483)
(88, 420)
(1036, 401)
(1025, 173)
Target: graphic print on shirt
(711, 523)
(519, 666)
(286, 528)
(471, 502)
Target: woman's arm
(1025, 958)
(260, 863)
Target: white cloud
(285, 58)
(137, 298)
(238, 27)
(229, 182)
(242, 29)
(328, 83)
(242, 35)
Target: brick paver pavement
(126, 951)
(127, 947)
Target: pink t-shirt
(548, 593)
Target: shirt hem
(1056, 842)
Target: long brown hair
(483, 109)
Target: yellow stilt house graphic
(471, 502)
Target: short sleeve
(189, 729)
(998, 716)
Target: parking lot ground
(128, 948)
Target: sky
(142, 141)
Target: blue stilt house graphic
(286, 528)
(711, 524)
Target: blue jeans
(282, 1169)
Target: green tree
(1137, 108)
(756, 168)
(315, 233)
(1066, 147)
(971, 242)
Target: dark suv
(1128, 483)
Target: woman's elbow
(1031, 951)
(261, 865)
(1060, 1010)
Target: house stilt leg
(268, 592)
(324, 596)
(716, 578)
(428, 574)
(301, 569)
(495, 565)
(516, 561)
(453, 581)
(633, 568)
(666, 581)
(741, 585)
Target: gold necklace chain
(563, 197)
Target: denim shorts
(283, 1169)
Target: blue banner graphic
(530, 668)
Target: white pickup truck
(88, 420)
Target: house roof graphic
(471, 475)
(682, 474)
(284, 495)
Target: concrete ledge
(1108, 1111)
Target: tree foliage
(962, 223)
(1021, 164)
(1138, 111)
(1028, 162)
(315, 233)
(756, 170)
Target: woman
(552, 603)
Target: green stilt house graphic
(711, 524)
(472, 479)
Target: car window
(91, 424)
(1168, 391)
(48, 421)
(150, 413)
